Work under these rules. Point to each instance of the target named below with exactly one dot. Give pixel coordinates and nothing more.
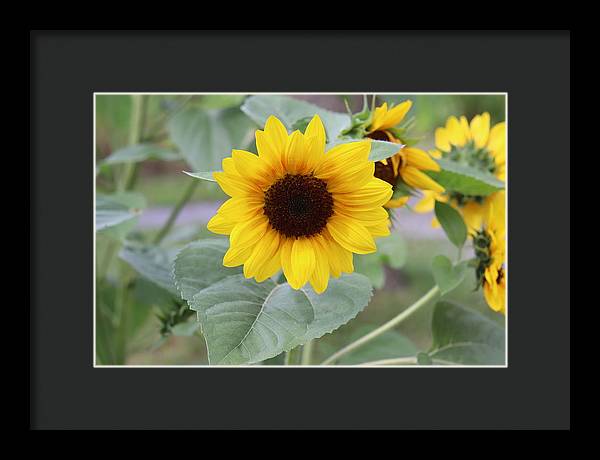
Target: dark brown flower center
(386, 172)
(298, 205)
(379, 136)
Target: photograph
(296, 230)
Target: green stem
(391, 361)
(124, 273)
(307, 353)
(106, 260)
(287, 359)
(291, 357)
(123, 316)
(176, 210)
(135, 132)
(384, 328)
(403, 361)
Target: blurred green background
(163, 183)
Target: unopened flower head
(473, 144)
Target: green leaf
(205, 137)
(153, 263)
(141, 152)
(380, 150)
(464, 336)
(117, 209)
(388, 345)
(200, 264)
(290, 111)
(457, 177)
(452, 223)
(204, 175)
(447, 276)
(246, 322)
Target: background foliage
(141, 319)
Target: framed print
(282, 230)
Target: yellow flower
(295, 207)
(407, 165)
(480, 147)
(489, 243)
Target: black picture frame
(66, 68)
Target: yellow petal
(378, 117)
(276, 132)
(351, 235)
(374, 193)
(397, 203)
(303, 262)
(455, 132)
(269, 153)
(396, 115)
(352, 179)
(249, 166)
(496, 212)
(344, 158)
(219, 224)
(497, 139)
(435, 154)
(500, 172)
(415, 178)
(340, 259)
(294, 153)
(314, 137)
(374, 215)
(230, 186)
(464, 124)
(265, 251)
(320, 276)
(248, 233)
(420, 159)
(495, 296)
(442, 139)
(241, 208)
(473, 214)
(427, 203)
(480, 129)
(285, 253)
(378, 229)
(232, 183)
(316, 129)
(236, 256)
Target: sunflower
(296, 208)
(490, 250)
(475, 145)
(407, 165)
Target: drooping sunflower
(408, 164)
(296, 208)
(475, 145)
(489, 243)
